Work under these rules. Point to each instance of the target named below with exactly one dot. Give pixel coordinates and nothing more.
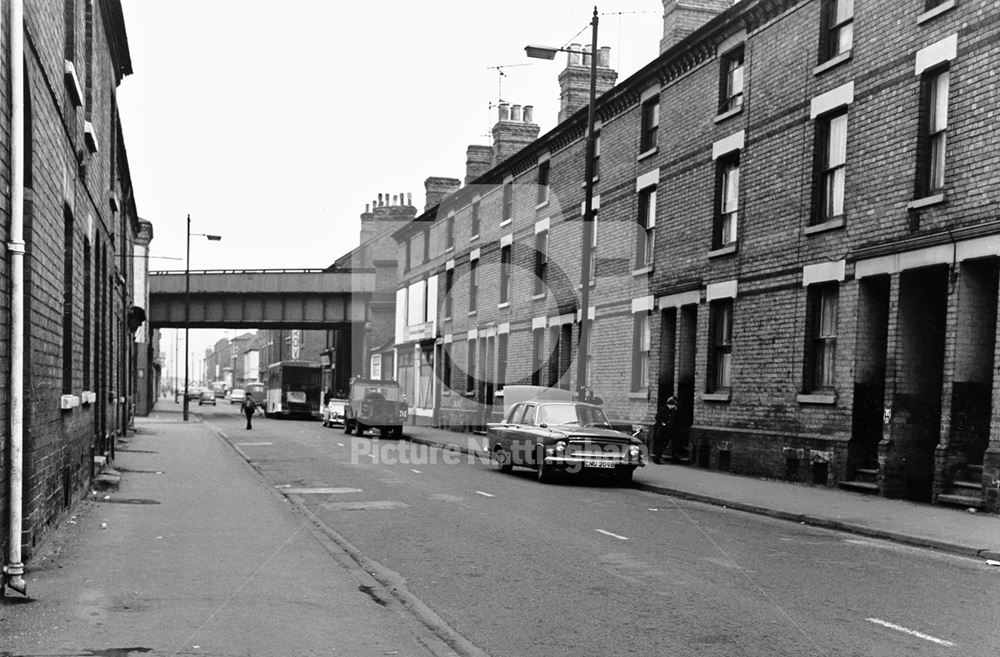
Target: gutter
(13, 570)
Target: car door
(523, 436)
(500, 433)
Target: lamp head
(541, 52)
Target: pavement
(957, 531)
(194, 554)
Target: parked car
(194, 392)
(375, 404)
(207, 397)
(567, 436)
(257, 392)
(236, 395)
(334, 413)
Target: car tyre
(347, 426)
(359, 428)
(501, 460)
(624, 476)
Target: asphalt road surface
(581, 568)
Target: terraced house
(68, 285)
(796, 234)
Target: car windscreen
(571, 414)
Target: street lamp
(546, 52)
(187, 303)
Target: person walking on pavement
(248, 409)
(663, 429)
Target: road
(520, 568)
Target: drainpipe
(13, 571)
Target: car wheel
(360, 428)
(545, 472)
(398, 432)
(500, 460)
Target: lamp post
(545, 52)
(187, 304)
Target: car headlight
(633, 452)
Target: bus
(294, 388)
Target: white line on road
(919, 635)
(479, 492)
(621, 538)
(340, 444)
(254, 444)
(414, 470)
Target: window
(640, 352)
(449, 281)
(501, 360)
(541, 260)
(555, 348)
(470, 377)
(473, 284)
(647, 224)
(474, 220)
(728, 200)
(650, 124)
(721, 346)
(67, 310)
(543, 181)
(537, 351)
(933, 149)
(822, 349)
(449, 232)
(593, 248)
(505, 273)
(597, 154)
(838, 27)
(427, 245)
(731, 87)
(832, 130)
(87, 312)
(508, 201)
(446, 367)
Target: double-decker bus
(293, 389)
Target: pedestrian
(248, 409)
(663, 428)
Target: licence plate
(598, 464)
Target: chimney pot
(409, 198)
(504, 112)
(366, 208)
(380, 200)
(586, 56)
(604, 57)
(528, 112)
(515, 113)
(574, 55)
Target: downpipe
(13, 570)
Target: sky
(273, 124)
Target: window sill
(641, 395)
(449, 248)
(538, 297)
(830, 224)
(642, 271)
(505, 304)
(825, 398)
(935, 12)
(506, 222)
(833, 62)
(541, 204)
(728, 114)
(927, 201)
(716, 396)
(722, 250)
(446, 319)
(645, 154)
(593, 181)
(472, 313)
(474, 237)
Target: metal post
(187, 312)
(588, 222)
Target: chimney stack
(478, 160)
(511, 133)
(437, 188)
(682, 17)
(574, 80)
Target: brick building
(794, 236)
(69, 221)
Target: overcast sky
(273, 124)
